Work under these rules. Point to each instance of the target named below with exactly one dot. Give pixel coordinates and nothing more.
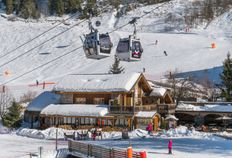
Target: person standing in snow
(165, 53)
(156, 42)
(144, 70)
(170, 146)
(149, 128)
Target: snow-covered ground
(187, 51)
(186, 143)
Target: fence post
(129, 152)
(89, 150)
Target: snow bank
(50, 133)
(182, 131)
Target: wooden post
(56, 139)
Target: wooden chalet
(125, 100)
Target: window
(80, 100)
(66, 98)
(99, 101)
(123, 46)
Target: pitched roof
(98, 83)
(43, 100)
(75, 110)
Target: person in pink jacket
(170, 146)
(149, 128)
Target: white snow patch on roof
(211, 108)
(75, 110)
(159, 92)
(43, 100)
(146, 114)
(97, 83)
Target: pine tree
(28, 9)
(226, 78)
(115, 68)
(59, 7)
(13, 117)
(9, 6)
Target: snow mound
(30, 133)
(182, 131)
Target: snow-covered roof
(75, 110)
(206, 108)
(171, 117)
(98, 83)
(146, 114)
(43, 100)
(158, 92)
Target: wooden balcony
(131, 110)
(121, 109)
(166, 108)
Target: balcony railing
(166, 108)
(121, 109)
(162, 109)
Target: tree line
(33, 8)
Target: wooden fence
(98, 151)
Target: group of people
(149, 129)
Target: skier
(156, 42)
(170, 146)
(37, 82)
(144, 70)
(43, 85)
(165, 53)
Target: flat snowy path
(13, 146)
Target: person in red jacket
(170, 146)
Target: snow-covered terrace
(205, 108)
(75, 110)
(98, 83)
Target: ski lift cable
(67, 53)
(45, 41)
(40, 66)
(34, 38)
(134, 20)
(41, 44)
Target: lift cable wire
(48, 39)
(34, 38)
(70, 51)
(41, 44)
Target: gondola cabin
(129, 49)
(97, 46)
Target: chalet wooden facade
(125, 100)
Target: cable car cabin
(129, 49)
(97, 46)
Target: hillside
(187, 51)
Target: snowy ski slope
(186, 51)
